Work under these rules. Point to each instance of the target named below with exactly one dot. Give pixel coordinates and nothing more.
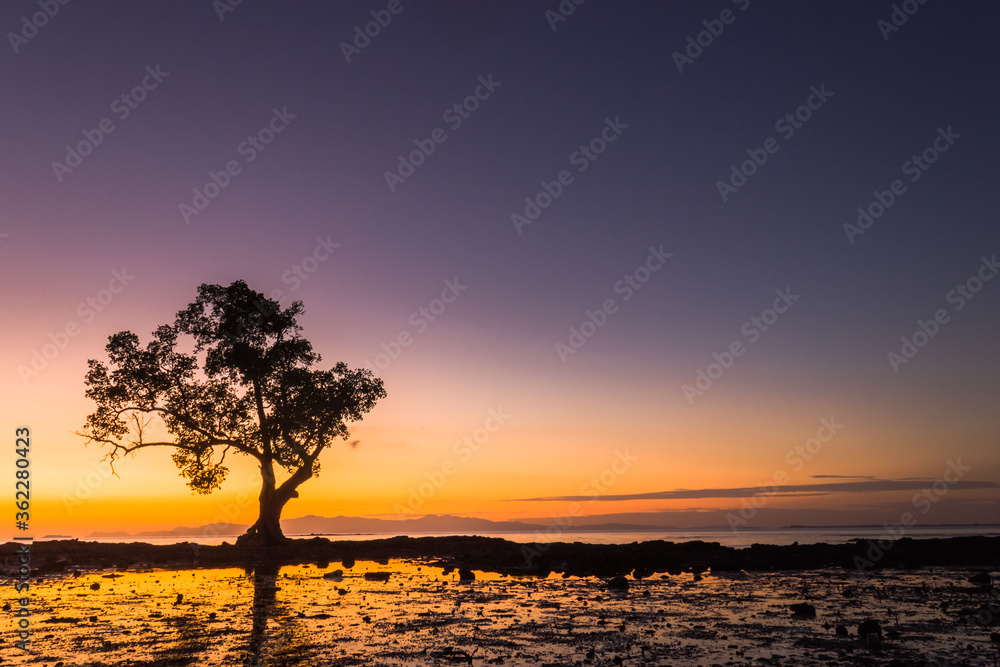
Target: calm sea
(733, 538)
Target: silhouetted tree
(249, 387)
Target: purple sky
(311, 214)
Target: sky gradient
(645, 323)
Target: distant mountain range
(433, 523)
(220, 529)
(346, 525)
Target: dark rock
(377, 576)
(986, 615)
(804, 610)
(618, 583)
(841, 630)
(982, 578)
(95, 586)
(348, 562)
(465, 574)
(336, 575)
(869, 626)
(494, 554)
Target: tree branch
(212, 437)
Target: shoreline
(495, 554)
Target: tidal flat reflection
(411, 612)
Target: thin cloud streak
(875, 486)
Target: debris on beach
(804, 610)
(619, 584)
(981, 578)
(451, 654)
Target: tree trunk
(266, 531)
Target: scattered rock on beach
(618, 583)
(841, 631)
(982, 578)
(377, 576)
(804, 610)
(869, 626)
(986, 615)
(336, 575)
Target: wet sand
(422, 615)
(98, 604)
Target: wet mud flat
(420, 612)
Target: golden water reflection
(422, 614)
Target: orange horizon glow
(556, 436)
